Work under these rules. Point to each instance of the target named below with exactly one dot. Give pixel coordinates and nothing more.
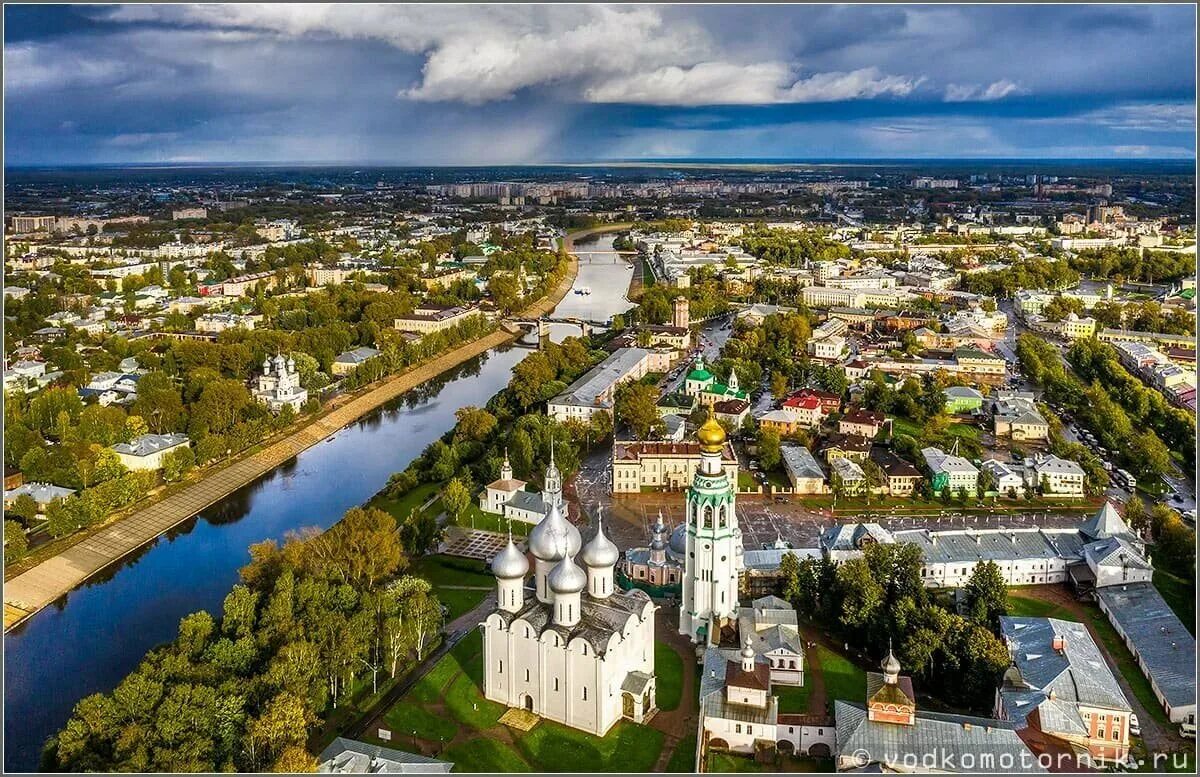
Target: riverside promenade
(32, 590)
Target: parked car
(1135, 727)
(1187, 730)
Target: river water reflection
(98, 633)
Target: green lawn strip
(1180, 596)
(430, 687)
(402, 506)
(466, 703)
(474, 518)
(1024, 606)
(668, 668)
(626, 748)
(728, 763)
(683, 758)
(843, 680)
(793, 700)
(484, 755)
(451, 570)
(459, 602)
(405, 717)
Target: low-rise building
(348, 361)
(349, 756)
(595, 390)
(148, 451)
(1060, 686)
(950, 474)
(670, 466)
(846, 476)
(42, 494)
(803, 470)
(962, 399)
(862, 423)
(434, 318)
(1056, 476)
(900, 476)
(1015, 415)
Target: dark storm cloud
(519, 83)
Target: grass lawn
(626, 748)
(406, 717)
(429, 688)
(729, 763)
(744, 480)
(474, 518)
(452, 570)
(912, 429)
(793, 700)
(401, 507)
(683, 758)
(1179, 594)
(668, 667)
(459, 602)
(465, 702)
(843, 680)
(484, 755)
(1028, 607)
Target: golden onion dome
(711, 435)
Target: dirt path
(680, 722)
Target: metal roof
(1160, 641)
(953, 743)
(1075, 672)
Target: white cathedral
(714, 544)
(279, 385)
(573, 648)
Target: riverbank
(32, 590)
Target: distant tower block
(681, 318)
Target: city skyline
(414, 85)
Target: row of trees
(311, 620)
(792, 249)
(1034, 272)
(1097, 362)
(1138, 447)
(1134, 264)
(879, 599)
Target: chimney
(1059, 644)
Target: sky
(526, 84)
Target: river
(94, 636)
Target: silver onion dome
(566, 577)
(554, 537)
(510, 563)
(600, 550)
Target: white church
(279, 385)
(573, 647)
(507, 496)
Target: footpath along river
(95, 635)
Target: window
(585, 693)
(556, 683)
(501, 670)
(526, 675)
(1116, 735)
(737, 728)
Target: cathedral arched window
(721, 518)
(708, 517)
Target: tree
(24, 508)
(769, 450)
(159, 403)
(637, 407)
(779, 385)
(220, 405)
(505, 291)
(860, 593)
(986, 594)
(15, 541)
(178, 463)
(455, 498)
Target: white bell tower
(714, 543)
